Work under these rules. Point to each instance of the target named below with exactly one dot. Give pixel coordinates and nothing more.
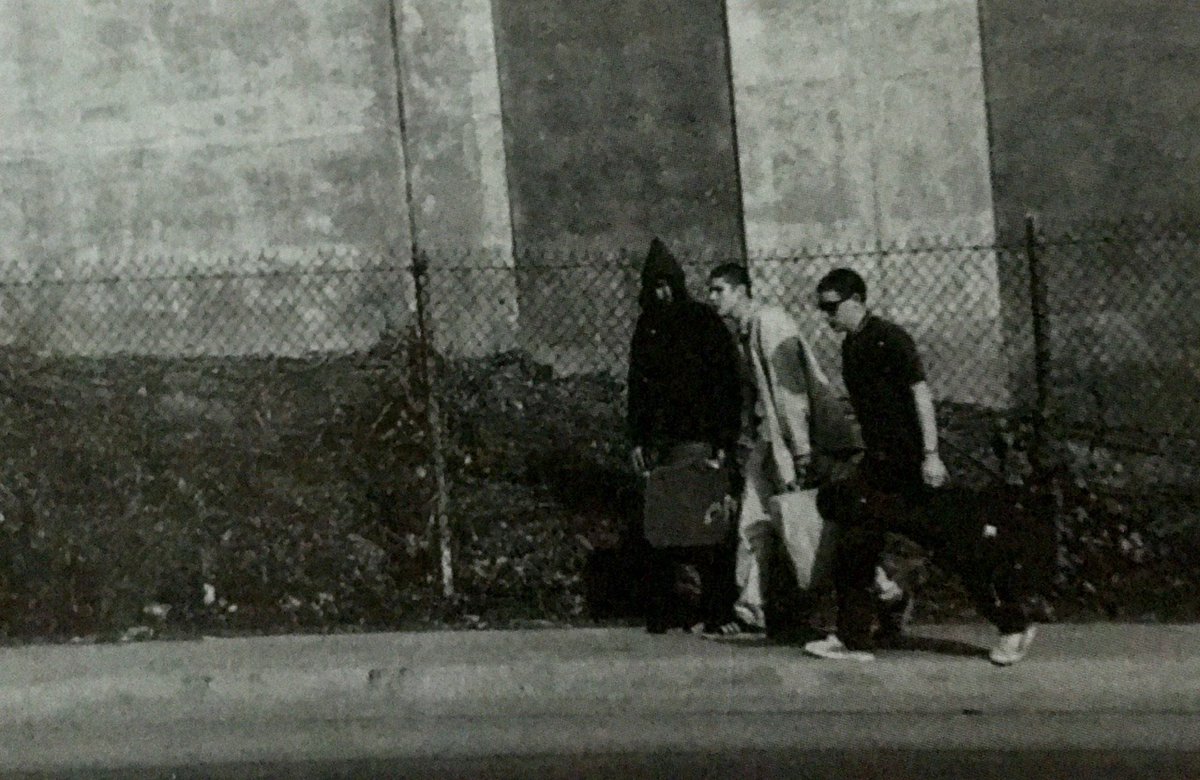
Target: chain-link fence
(454, 397)
(1118, 358)
(1094, 328)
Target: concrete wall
(1093, 108)
(1123, 332)
(862, 122)
(157, 138)
(457, 171)
(617, 123)
(618, 128)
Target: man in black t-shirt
(899, 487)
(891, 400)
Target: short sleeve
(903, 360)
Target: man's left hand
(800, 464)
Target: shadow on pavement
(920, 644)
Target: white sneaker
(1013, 647)
(886, 588)
(831, 647)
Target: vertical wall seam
(402, 128)
(988, 130)
(740, 211)
(497, 44)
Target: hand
(800, 464)
(803, 467)
(933, 471)
(718, 461)
(638, 458)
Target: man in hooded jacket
(684, 403)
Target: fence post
(437, 436)
(1039, 307)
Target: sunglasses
(830, 307)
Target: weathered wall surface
(617, 123)
(618, 128)
(187, 131)
(1093, 108)
(863, 121)
(454, 148)
(859, 120)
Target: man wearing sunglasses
(898, 487)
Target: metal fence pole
(1039, 307)
(437, 435)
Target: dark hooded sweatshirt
(683, 369)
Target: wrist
(931, 453)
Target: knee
(757, 535)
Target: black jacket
(683, 365)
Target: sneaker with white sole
(832, 648)
(1013, 647)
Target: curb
(623, 673)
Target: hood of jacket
(661, 264)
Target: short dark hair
(845, 282)
(733, 273)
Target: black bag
(688, 504)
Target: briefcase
(687, 504)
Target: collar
(746, 326)
(867, 319)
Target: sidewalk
(1104, 669)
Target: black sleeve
(725, 414)
(901, 358)
(637, 405)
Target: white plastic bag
(807, 537)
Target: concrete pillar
(859, 120)
(208, 144)
(458, 186)
(862, 123)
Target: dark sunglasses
(830, 307)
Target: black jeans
(987, 543)
(688, 585)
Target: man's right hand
(638, 457)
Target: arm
(923, 398)
(637, 402)
(725, 407)
(932, 468)
(779, 340)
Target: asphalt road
(714, 745)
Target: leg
(858, 549)
(981, 541)
(756, 537)
(716, 600)
(659, 576)
(875, 500)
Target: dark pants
(686, 585)
(988, 542)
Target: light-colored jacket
(799, 412)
